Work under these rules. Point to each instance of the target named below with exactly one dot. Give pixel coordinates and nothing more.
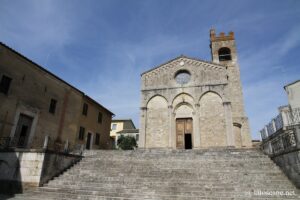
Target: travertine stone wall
(212, 121)
(23, 169)
(212, 98)
(181, 101)
(157, 123)
(234, 82)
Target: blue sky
(102, 47)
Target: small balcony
(282, 133)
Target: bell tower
(223, 51)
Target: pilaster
(142, 134)
(229, 124)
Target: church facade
(188, 103)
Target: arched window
(224, 54)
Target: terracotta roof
(54, 76)
(182, 56)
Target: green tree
(126, 142)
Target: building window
(81, 133)
(85, 109)
(100, 117)
(137, 137)
(97, 140)
(5, 84)
(52, 106)
(114, 127)
(224, 54)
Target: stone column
(143, 125)
(196, 127)
(171, 119)
(229, 124)
(173, 130)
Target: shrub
(127, 142)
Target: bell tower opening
(224, 54)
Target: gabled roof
(182, 56)
(54, 76)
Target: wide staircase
(168, 175)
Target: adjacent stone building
(124, 127)
(36, 104)
(190, 103)
(293, 93)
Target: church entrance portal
(184, 129)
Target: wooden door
(183, 126)
(179, 133)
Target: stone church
(188, 103)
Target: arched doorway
(184, 131)
(184, 126)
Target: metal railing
(282, 142)
(282, 134)
(293, 116)
(286, 117)
(49, 144)
(4, 142)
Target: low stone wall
(290, 165)
(55, 164)
(21, 169)
(283, 147)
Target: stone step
(181, 157)
(187, 164)
(177, 174)
(170, 189)
(211, 191)
(209, 194)
(135, 169)
(203, 182)
(167, 174)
